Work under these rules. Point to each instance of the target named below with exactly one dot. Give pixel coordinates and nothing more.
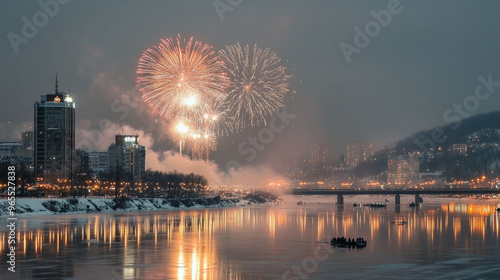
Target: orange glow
(459, 221)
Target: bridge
(396, 192)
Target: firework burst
(258, 84)
(181, 78)
(217, 120)
(206, 95)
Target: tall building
(54, 135)
(359, 152)
(99, 161)
(369, 150)
(324, 155)
(126, 156)
(403, 170)
(319, 154)
(314, 153)
(354, 154)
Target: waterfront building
(54, 135)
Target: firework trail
(198, 141)
(258, 85)
(201, 143)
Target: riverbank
(55, 206)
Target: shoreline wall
(54, 206)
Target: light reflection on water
(251, 242)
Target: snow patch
(51, 206)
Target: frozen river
(442, 239)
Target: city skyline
(331, 105)
(233, 139)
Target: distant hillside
(479, 161)
(454, 134)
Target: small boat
(412, 204)
(300, 203)
(342, 242)
(355, 204)
(377, 205)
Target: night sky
(427, 58)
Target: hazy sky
(425, 59)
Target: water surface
(442, 239)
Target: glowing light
(190, 101)
(182, 128)
(258, 84)
(169, 74)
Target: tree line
(172, 184)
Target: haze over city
(418, 66)
(243, 140)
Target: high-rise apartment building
(126, 156)
(54, 135)
(359, 152)
(403, 170)
(354, 154)
(319, 154)
(99, 161)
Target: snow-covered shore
(51, 206)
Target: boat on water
(343, 242)
(412, 204)
(300, 203)
(377, 205)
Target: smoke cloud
(168, 160)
